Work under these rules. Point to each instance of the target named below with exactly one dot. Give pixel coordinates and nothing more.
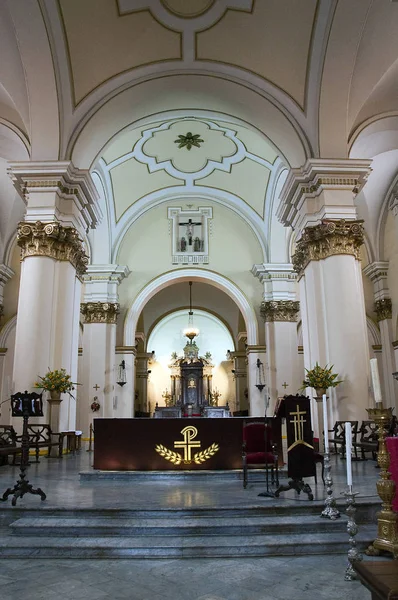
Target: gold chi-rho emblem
(187, 445)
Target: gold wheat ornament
(170, 455)
(201, 457)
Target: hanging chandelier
(191, 331)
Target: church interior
(198, 206)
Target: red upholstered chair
(258, 451)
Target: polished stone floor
(298, 578)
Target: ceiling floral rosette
(189, 149)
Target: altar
(172, 444)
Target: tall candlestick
(374, 370)
(325, 423)
(348, 449)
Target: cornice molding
(383, 309)
(62, 177)
(316, 176)
(112, 273)
(100, 312)
(330, 238)
(376, 271)
(52, 240)
(280, 310)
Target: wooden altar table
(172, 444)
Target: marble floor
(298, 578)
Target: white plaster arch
(180, 194)
(180, 275)
(7, 328)
(373, 332)
(160, 93)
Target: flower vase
(319, 394)
(54, 397)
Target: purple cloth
(392, 447)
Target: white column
(257, 398)
(6, 274)
(61, 203)
(317, 200)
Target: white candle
(348, 449)
(325, 423)
(374, 370)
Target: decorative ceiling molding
(202, 163)
(186, 20)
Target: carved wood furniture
(259, 451)
(380, 577)
(8, 444)
(367, 439)
(41, 436)
(338, 435)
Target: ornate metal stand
(352, 529)
(387, 519)
(295, 484)
(90, 439)
(330, 511)
(24, 408)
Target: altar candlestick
(348, 449)
(374, 370)
(325, 423)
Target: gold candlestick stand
(387, 519)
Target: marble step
(181, 547)
(218, 525)
(365, 513)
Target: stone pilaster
(378, 274)
(239, 372)
(280, 311)
(100, 311)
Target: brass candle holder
(387, 519)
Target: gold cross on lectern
(189, 434)
(298, 423)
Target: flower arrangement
(320, 378)
(56, 381)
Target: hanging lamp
(190, 331)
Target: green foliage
(56, 381)
(320, 377)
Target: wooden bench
(338, 435)
(8, 444)
(367, 439)
(380, 577)
(41, 436)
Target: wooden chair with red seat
(258, 451)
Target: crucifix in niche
(196, 241)
(190, 234)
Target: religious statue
(196, 245)
(183, 244)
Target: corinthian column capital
(100, 312)
(328, 239)
(383, 309)
(280, 310)
(54, 241)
